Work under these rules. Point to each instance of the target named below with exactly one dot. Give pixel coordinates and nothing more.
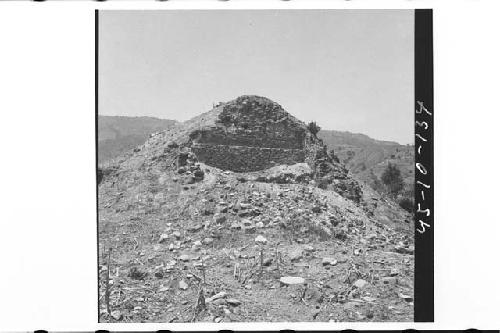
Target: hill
(119, 134)
(241, 214)
(365, 157)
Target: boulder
(292, 280)
(163, 238)
(328, 261)
(260, 240)
(183, 285)
(360, 283)
(295, 254)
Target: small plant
(225, 119)
(323, 184)
(313, 127)
(375, 183)
(107, 283)
(392, 179)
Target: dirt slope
(185, 241)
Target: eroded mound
(177, 226)
(253, 133)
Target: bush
(375, 183)
(322, 184)
(407, 204)
(313, 127)
(225, 118)
(392, 179)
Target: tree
(376, 183)
(392, 179)
(313, 127)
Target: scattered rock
(368, 299)
(295, 254)
(199, 174)
(390, 280)
(360, 283)
(308, 248)
(329, 261)
(163, 238)
(183, 285)
(195, 228)
(394, 272)
(404, 250)
(208, 240)
(292, 280)
(244, 205)
(184, 257)
(176, 234)
(250, 229)
(220, 219)
(235, 226)
(247, 223)
(260, 239)
(219, 301)
(117, 315)
(316, 209)
(172, 144)
(406, 297)
(222, 294)
(136, 274)
(233, 301)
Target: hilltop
(361, 155)
(208, 220)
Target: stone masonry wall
(246, 159)
(272, 136)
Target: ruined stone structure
(251, 133)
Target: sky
(348, 70)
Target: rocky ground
(296, 238)
(202, 244)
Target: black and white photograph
(256, 166)
(249, 165)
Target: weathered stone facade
(251, 133)
(244, 158)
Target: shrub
(225, 118)
(407, 204)
(322, 184)
(375, 183)
(313, 127)
(392, 179)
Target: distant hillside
(117, 134)
(363, 155)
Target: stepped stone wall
(251, 133)
(271, 136)
(244, 158)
